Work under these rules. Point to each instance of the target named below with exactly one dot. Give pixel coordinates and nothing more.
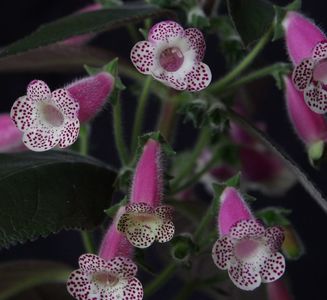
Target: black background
(308, 275)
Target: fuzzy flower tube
(307, 48)
(10, 136)
(245, 248)
(145, 220)
(110, 275)
(173, 56)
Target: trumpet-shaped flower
(173, 56)
(246, 249)
(46, 119)
(145, 219)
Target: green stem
(201, 143)
(133, 33)
(139, 115)
(160, 280)
(88, 241)
(118, 133)
(220, 85)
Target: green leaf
(195, 111)
(111, 211)
(273, 216)
(251, 18)
(19, 276)
(43, 193)
(77, 24)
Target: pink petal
(122, 266)
(68, 106)
(165, 212)
(302, 35)
(222, 252)
(133, 290)
(197, 42)
(232, 210)
(165, 232)
(38, 90)
(247, 228)
(199, 78)
(69, 134)
(90, 263)
(320, 51)
(302, 74)
(171, 80)
(273, 267)
(11, 137)
(316, 98)
(142, 56)
(138, 208)
(78, 285)
(22, 113)
(244, 276)
(274, 238)
(41, 138)
(164, 31)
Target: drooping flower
(10, 136)
(173, 56)
(307, 48)
(46, 119)
(111, 275)
(245, 248)
(145, 219)
(91, 93)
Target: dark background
(307, 276)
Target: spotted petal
(197, 42)
(320, 51)
(90, 263)
(199, 78)
(133, 290)
(222, 252)
(165, 31)
(171, 80)
(38, 90)
(140, 207)
(122, 266)
(302, 74)
(66, 103)
(78, 285)
(164, 212)
(141, 235)
(22, 113)
(142, 57)
(316, 98)
(165, 232)
(244, 276)
(69, 134)
(273, 267)
(274, 238)
(247, 228)
(41, 138)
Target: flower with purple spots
(98, 279)
(173, 56)
(46, 119)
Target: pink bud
(309, 126)
(232, 210)
(302, 35)
(277, 290)
(80, 40)
(147, 181)
(91, 93)
(10, 136)
(115, 243)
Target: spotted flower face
(98, 279)
(46, 119)
(310, 76)
(249, 253)
(173, 56)
(143, 224)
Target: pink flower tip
(10, 136)
(232, 210)
(91, 93)
(173, 56)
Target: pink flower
(46, 119)
(145, 219)
(11, 137)
(111, 275)
(278, 290)
(307, 47)
(91, 93)
(173, 56)
(246, 249)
